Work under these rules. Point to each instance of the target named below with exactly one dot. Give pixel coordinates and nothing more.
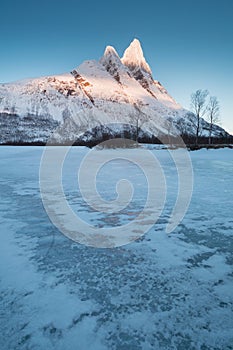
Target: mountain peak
(110, 57)
(133, 57)
(110, 50)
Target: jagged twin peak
(133, 58)
(112, 62)
(110, 54)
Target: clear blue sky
(188, 44)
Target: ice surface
(160, 292)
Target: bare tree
(198, 106)
(213, 115)
(138, 119)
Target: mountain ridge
(110, 91)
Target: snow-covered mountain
(108, 96)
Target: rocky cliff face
(113, 95)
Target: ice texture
(160, 292)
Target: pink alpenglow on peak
(110, 51)
(94, 95)
(133, 57)
(110, 56)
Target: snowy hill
(97, 95)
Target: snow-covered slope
(108, 91)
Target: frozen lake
(163, 291)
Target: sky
(188, 44)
